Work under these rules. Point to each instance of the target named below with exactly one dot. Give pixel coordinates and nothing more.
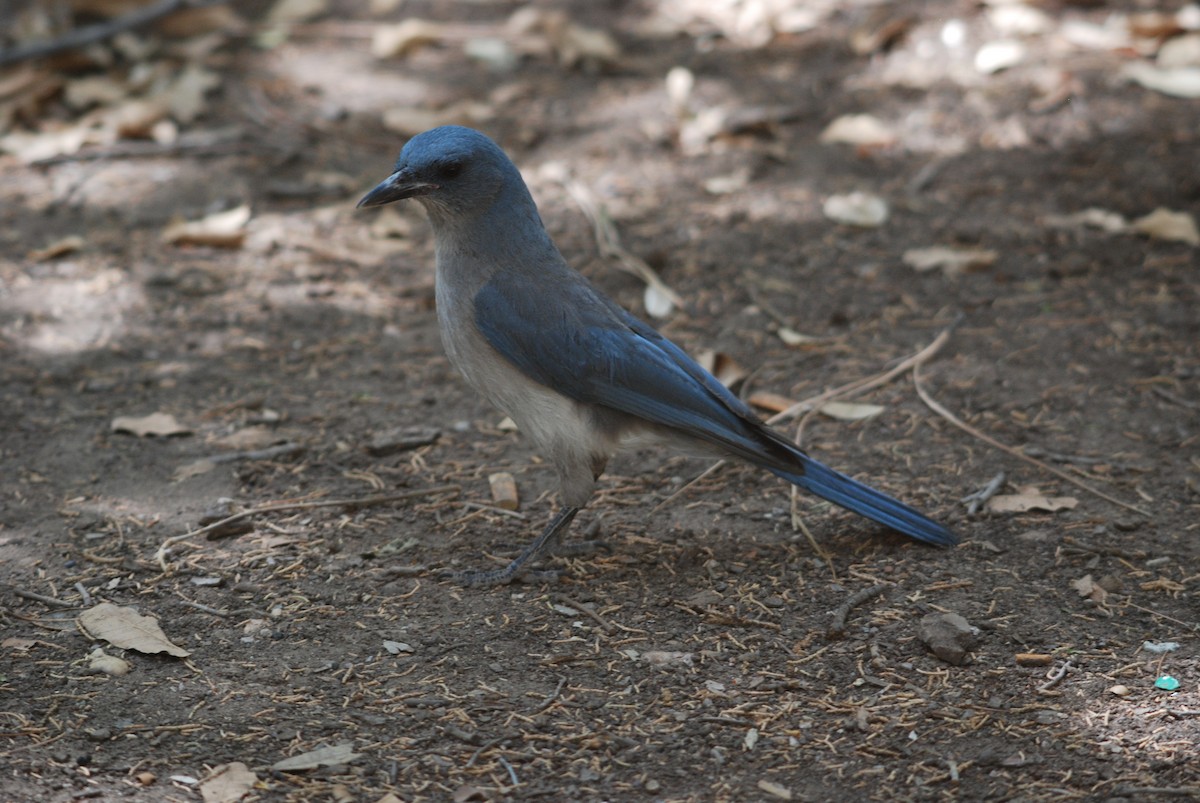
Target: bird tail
(865, 501)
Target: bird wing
(568, 337)
(562, 334)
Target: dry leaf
(791, 337)
(127, 629)
(1102, 219)
(723, 185)
(859, 129)
(161, 425)
(952, 261)
(574, 45)
(850, 411)
(193, 469)
(999, 55)
(775, 790)
(252, 437)
(222, 230)
(726, 369)
(412, 120)
(288, 11)
(856, 209)
(657, 303)
(1030, 498)
(321, 757)
(1183, 51)
(668, 658)
(18, 644)
(1089, 588)
(185, 95)
(1164, 224)
(100, 661)
(1178, 82)
(228, 783)
(771, 401)
(58, 248)
(396, 41)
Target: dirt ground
(699, 659)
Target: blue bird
(580, 376)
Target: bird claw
(475, 578)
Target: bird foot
(476, 578)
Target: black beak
(396, 187)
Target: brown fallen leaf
(162, 425)
(771, 401)
(228, 783)
(1087, 587)
(850, 411)
(58, 248)
(221, 230)
(952, 261)
(127, 629)
(1166, 224)
(859, 129)
(722, 366)
(397, 41)
(1030, 498)
(321, 757)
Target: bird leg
(546, 543)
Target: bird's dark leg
(543, 544)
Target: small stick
(512, 774)
(161, 554)
(82, 37)
(83, 593)
(837, 625)
(980, 497)
(609, 241)
(595, 617)
(990, 441)
(549, 701)
(33, 595)
(1055, 677)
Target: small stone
(652, 785)
(1120, 690)
(948, 636)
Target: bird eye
(450, 169)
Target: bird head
(453, 171)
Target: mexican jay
(579, 375)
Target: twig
(563, 599)
(814, 402)
(512, 774)
(549, 701)
(988, 439)
(860, 386)
(366, 501)
(83, 593)
(609, 241)
(217, 142)
(485, 746)
(80, 37)
(1055, 676)
(257, 454)
(36, 597)
(980, 497)
(837, 625)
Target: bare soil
(695, 661)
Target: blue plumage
(579, 375)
